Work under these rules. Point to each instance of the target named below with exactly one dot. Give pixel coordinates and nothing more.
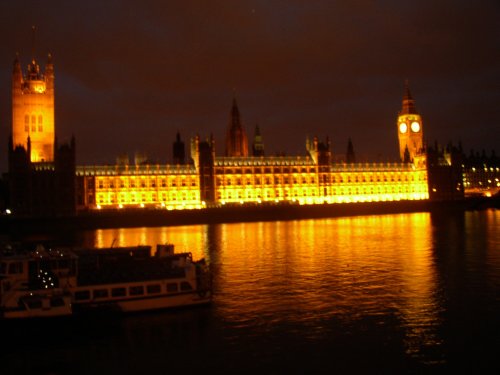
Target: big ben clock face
(403, 128)
(415, 127)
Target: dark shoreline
(229, 214)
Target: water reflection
(406, 293)
(309, 273)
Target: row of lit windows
(34, 123)
(267, 170)
(485, 169)
(326, 179)
(349, 178)
(374, 189)
(111, 198)
(265, 194)
(389, 193)
(276, 180)
(125, 183)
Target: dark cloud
(130, 74)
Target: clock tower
(409, 129)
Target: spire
(408, 102)
(235, 114)
(350, 155)
(236, 139)
(33, 34)
(17, 66)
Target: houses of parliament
(44, 179)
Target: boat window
(152, 289)
(172, 287)
(186, 286)
(100, 293)
(136, 290)
(64, 263)
(21, 305)
(82, 295)
(34, 304)
(118, 292)
(3, 268)
(56, 302)
(15, 267)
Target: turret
(49, 73)
(258, 145)
(33, 109)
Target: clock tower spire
(409, 127)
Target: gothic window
(40, 123)
(33, 123)
(26, 123)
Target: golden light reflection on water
(308, 272)
(350, 268)
(185, 238)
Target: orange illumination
(172, 190)
(33, 111)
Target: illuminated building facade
(139, 185)
(481, 174)
(33, 109)
(241, 179)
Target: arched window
(33, 123)
(26, 123)
(40, 123)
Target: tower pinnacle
(236, 138)
(408, 106)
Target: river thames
(405, 293)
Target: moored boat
(49, 283)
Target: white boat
(42, 304)
(48, 283)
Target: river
(404, 293)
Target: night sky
(130, 74)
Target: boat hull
(158, 302)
